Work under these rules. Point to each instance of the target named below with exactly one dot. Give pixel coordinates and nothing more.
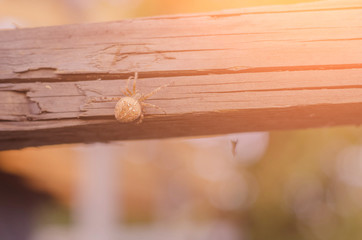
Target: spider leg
(146, 96)
(152, 105)
(140, 119)
(134, 82)
(126, 91)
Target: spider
(130, 107)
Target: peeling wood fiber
(262, 68)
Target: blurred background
(303, 184)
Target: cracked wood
(262, 68)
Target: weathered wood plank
(263, 68)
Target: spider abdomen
(128, 109)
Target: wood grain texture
(253, 69)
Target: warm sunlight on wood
(252, 69)
(205, 162)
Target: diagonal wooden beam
(253, 69)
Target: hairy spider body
(127, 109)
(130, 107)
